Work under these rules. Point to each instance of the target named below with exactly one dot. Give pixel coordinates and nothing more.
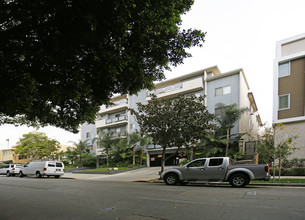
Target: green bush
(295, 171)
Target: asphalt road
(49, 198)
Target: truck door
(195, 170)
(216, 169)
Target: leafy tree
(80, 151)
(174, 123)
(120, 151)
(105, 140)
(227, 119)
(276, 143)
(37, 146)
(61, 60)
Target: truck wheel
(21, 174)
(57, 177)
(8, 173)
(239, 180)
(38, 175)
(171, 179)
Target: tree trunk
(228, 140)
(97, 162)
(280, 165)
(192, 153)
(141, 160)
(134, 155)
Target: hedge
(294, 171)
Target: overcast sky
(240, 34)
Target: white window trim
(289, 71)
(280, 109)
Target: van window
(58, 164)
(215, 162)
(51, 164)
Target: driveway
(142, 174)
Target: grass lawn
(296, 181)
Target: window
(51, 164)
(59, 165)
(88, 135)
(223, 90)
(284, 69)
(197, 163)
(215, 162)
(284, 102)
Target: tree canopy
(175, 123)
(37, 146)
(61, 60)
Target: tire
(8, 174)
(57, 177)
(239, 180)
(13, 174)
(21, 174)
(171, 179)
(38, 175)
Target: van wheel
(8, 173)
(21, 174)
(38, 175)
(57, 177)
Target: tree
(143, 142)
(37, 146)
(61, 60)
(134, 140)
(80, 151)
(174, 123)
(105, 140)
(230, 114)
(276, 143)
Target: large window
(284, 69)
(197, 163)
(284, 102)
(223, 90)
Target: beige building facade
(289, 90)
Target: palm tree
(230, 114)
(134, 139)
(105, 140)
(143, 142)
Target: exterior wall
(227, 99)
(291, 50)
(294, 84)
(296, 128)
(91, 130)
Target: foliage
(37, 146)
(265, 146)
(174, 123)
(295, 162)
(60, 60)
(294, 171)
(134, 140)
(88, 160)
(79, 154)
(120, 151)
(145, 140)
(230, 114)
(106, 140)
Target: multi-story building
(289, 89)
(227, 88)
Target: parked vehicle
(43, 168)
(216, 169)
(9, 169)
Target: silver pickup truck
(216, 169)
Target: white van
(43, 168)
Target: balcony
(118, 105)
(187, 86)
(112, 122)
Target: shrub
(295, 171)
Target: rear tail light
(267, 168)
(63, 170)
(44, 169)
(13, 169)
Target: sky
(240, 34)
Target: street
(49, 198)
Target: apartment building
(289, 89)
(227, 88)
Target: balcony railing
(117, 119)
